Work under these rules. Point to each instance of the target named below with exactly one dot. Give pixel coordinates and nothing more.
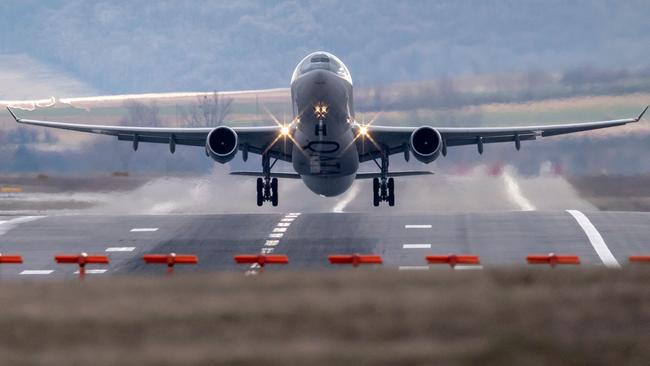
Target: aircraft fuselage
(324, 152)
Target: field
(529, 317)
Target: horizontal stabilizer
(407, 173)
(261, 175)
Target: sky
(117, 46)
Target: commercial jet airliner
(324, 142)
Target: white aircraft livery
(324, 142)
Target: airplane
(324, 142)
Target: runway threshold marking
(595, 239)
(37, 272)
(120, 249)
(417, 226)
(143, 229)
(416, 246)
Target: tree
(208, 111)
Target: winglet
(12, 114)
(642, 113)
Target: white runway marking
(279, 229)
(514, 192)
(595, 239)
(10, 224)
(347, 198)
(37, 272)
(283, 224)
(276, 235)
(143, 229)
(467, 267)
(120, 249)
(417, 226)
(294, 214)
(93, 271)
(288, 219)
(416, 246)
(413, 268)
(271, 243)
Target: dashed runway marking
(288, 219)
(143, 229)
(276, 235)
(37, 272)
(417, 226)
(271, 243)
(416, 246)
(93, 271)
(595, 239)
(283, 224)
(120, 249)
(279, 229)
(413, 268)
(461, 267)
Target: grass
(519, 317)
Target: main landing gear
(267, 188)
(383, 188)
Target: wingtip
(13, 114)
(642, 113)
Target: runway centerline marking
(120, 249)
(271, 243)
(276, 235)
(288, 219)
(37, 272)
(416, 246)
(595, 239)
(417, 226)
(143, 229)
(279, 229)
(413, 268)
(283, 224)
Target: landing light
(284, 131)
(363, 130)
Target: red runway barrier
(170, 260)
(355, 259)
(261, 259)
(453, 259)
(639, 259)
(81, 260)
(552, 259)
(10, 258)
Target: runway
(403, 240)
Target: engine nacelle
(222, 143)
(426, 143)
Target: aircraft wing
(256, 139)
(396, 139)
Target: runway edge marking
(595, 239)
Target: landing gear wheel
(375, 192)
(260, 191)
(391, 192)
(274, 191)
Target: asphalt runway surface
(403, 240)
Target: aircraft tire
(375, 192)
(391, 192)
(260, 191)
(274, 191)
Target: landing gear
(383, 189)
(267, 188)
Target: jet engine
(221, 144)
(426, 143)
